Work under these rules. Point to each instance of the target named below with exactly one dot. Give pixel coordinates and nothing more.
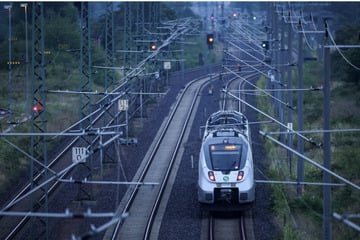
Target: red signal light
(38, 108)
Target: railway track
(223, 228)
(234, 224)
(47, 185)
(143, 203)
(59, 168)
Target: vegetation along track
(60, 167)
(46, 184)
(142, 203)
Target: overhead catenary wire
(301, 22)
(86, 181)
(52, 178)
(301, 183)
(351, 130)
(28, 155)
(280, 89)
(273, 119)
(340, 52)
(66, 214)
(261, 90)
(342, 179)
(96, 230)
(345, 219)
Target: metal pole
(141, 103)
(300, 163)
(101, 156)
(268, 35)
(109, 46)
(84, 193)
(127, 126)
(27, 84)
(289, 94)
(282, 73)
(39, 120)
(326, 146)
(274, 53)
(182, 63)
(8, 7)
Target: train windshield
(225, 157)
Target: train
(226, 168)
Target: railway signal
(210, 40)
(265, 45)
(38, 108)
(153, 46)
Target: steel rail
(242, 228)
(169, 169)
(211, 228)
(151, 157)
(102, 110)
(53, 187)
(240, 234)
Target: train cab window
(226, 157)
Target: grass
(302, 216)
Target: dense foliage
(62, 26)
(302, 217)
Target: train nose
(226, 194)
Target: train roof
(225, 121)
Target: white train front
(226, 171)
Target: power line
(301, 183)
(345, 219)
(320, 131)
(340, 52)
(348, 182)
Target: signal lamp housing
(210, 40)
(153, 47)
(265, 45)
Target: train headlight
(211, 176)
(240, 176)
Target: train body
(226, 171)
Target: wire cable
(340, 52)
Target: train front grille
(226, 194)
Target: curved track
(238, 224)
(142, 203)
(61, 167)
